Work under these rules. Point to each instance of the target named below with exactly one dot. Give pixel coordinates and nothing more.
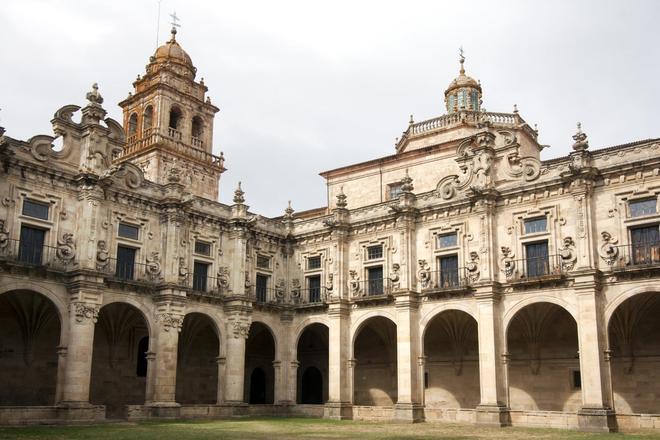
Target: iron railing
(446, 279)
(535, 268)
(126, 270)
(370, 288)
(206, 285)
(637, 254)
(314, 295)
(36, 254)
(267, 295)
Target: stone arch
(198, 353)
(300, 328)
(176, 116)
(374, 360)
(359, 323)
(146, 312)
(312, 351)
(60, 302)
(622, 297)
(114, 380)
(260, 352)
(450, 344)
(543, 367)
(441, 308)
(148, 117)
(30, 337)
(510, 313)
(197, 127)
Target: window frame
(532, 220)
(205, 243)
(129, 225)
(34, 202)
(642, 200)
(315, 258)
(263, 257)
(373, 246)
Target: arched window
(197, 127)
(143, 347)
(132, 124)
(451, 106)
(475, 100)
(175, 117)
(147, 119)
(462, 99)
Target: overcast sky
(309, 86)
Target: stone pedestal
(408, 413)
(493, 415)
(597, 420)
(338, 411)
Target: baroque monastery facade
(460, 279)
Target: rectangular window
(448, 271)
(261, 288)
(645, 244)
(375, 280)
(202, 248)
(576, 379)
(394, 190)
(125, 269)
(639, 208)
(263, 262)
(375, 252)
(314, 263)
(200, 276)
(128, 231)
(314, 286)
(447, 240)
(31, 246)
(536, 258)
(534, 225)
(35, 209)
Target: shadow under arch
(118, 377)
(375, 359)
(543, 364)
(312, 353)
(30, 329)
(451, 350)
(260, 349)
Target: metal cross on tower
(174, 21)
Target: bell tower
(169, 124)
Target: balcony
(376, 290)
(641, 259)
(314, 297)
(131, 272)
(446, 283)
(211, 287)
(267, 296)
(541, 270)
(36, 255)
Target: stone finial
(515, 108)
(288, 212)
(93, 96)
(411, 121)
(341, 199)
(239, 194)
(580, 138)
(406, 183)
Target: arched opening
(451, 375)
(259, 358)
(148, 118)
(119, 341)
(258, 387)
(197, 127)
(29, 337)
(197, 364)
(375, 375)
(634, 336)
(543, 367)
(175, 118)
(142, 363)
(313, 364)
(132, 124)
(312, 387)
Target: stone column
(61, 368)
(407, 408)
(492, 409)
(279, 393)
(238, 328)
(340, 396)
(293, 382)
(78, 369)
(221, 361)
(421, 364)
(151, 365)
(596, 413)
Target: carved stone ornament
(527, 168)
(568, 255)
(424, 274)
(507, 262)
(4, 237)
(239, 195)
(329, 284)
(241, 329)
(608, 251)
(85, 312)
(280, 288)
(395, 278)
(170, 321)
(66, 248)
(354, 283)
(183, 270)
(341, 199)
(295, 289)
(223, 278)
(102, 255)
(153, 266)
(472, 267)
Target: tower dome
(173, 54)
(463, 93)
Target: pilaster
(238, 329)
(408, 407)
(339, 383)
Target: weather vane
(460, 51)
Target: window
(314, 286)
(128, 231)
(447, 240)
(197, 127)
(639, 208)
(31, 247)
(200, 275)
(35, 209)
(143, 347)
(132, 124)
(202, 248)
(375, 252)
(147, 118)
(576, 379)
(314, 263)
(125, 269)
(645, 244)
(375, 280)
(474, 100)
(536, 258)
(261, 288)
(175, 118)
(535, 225)
(448, 271)
(394, 190)
(263, 262)
(462, 99)
(451, 104)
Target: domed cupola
(172, 55)
(463, 93)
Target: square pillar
(408, 407)
(492, 409)
(163, 381)
(238, 328)
(340, 397)
(222, 362)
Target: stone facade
(460, 279)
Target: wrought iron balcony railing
(632, 255)
(533, 269)
(126, 270)
(314, 295)
(379, 287)
(208, 286)
(446, 280)
(35, 254)
(267, 295)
